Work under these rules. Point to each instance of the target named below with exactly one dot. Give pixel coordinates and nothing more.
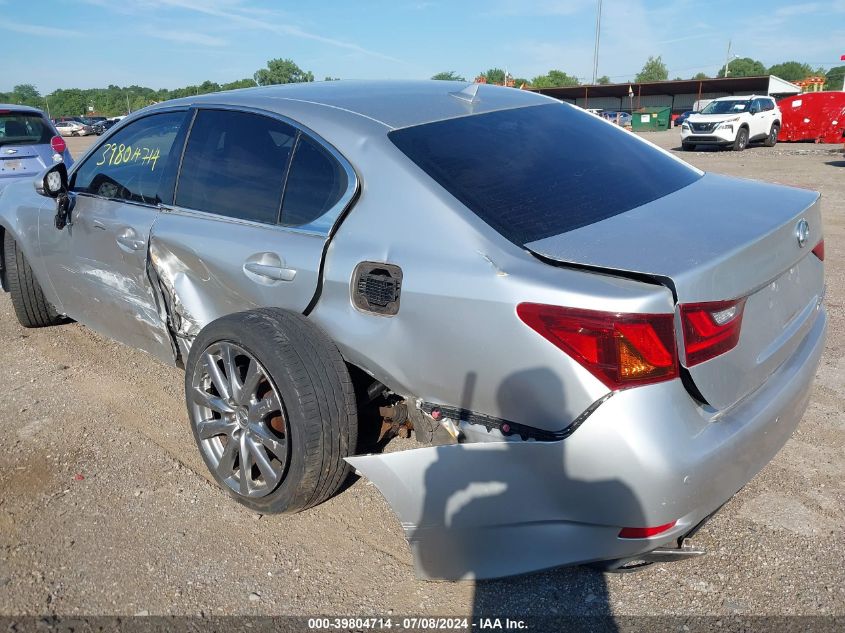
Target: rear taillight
(58, 144)
(818, 251)
(710, 328)
(621, 350)
(645, 532)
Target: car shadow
(498, 511)
(699, 148)
(835, 163)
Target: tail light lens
(58, 144)
(818, 251)
(621, 350)
(711, 328)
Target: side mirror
(52, 181)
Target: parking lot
(107, 508)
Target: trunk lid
(23, 160)
(719, 238)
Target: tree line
(655, 69)
(116, 100)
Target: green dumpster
(651, 119)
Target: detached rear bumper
(646, 457)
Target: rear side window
(131, 166)
(768, 104)
(315, 184)
(23, 128)
(539, 171)
(235, 165)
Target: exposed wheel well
(369, 396)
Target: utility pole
(728, 60)
(596, 48)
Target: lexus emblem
(802, 232)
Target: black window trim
(335, 213)
(104, 139)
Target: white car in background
(73, 128)
(733, 121)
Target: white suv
(734, 121)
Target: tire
(688, 147)
(772, 138)
(290, 417)
(741, 141)
(31, 308)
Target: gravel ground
(106, 507)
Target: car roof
(20, 108)
(394, 104)
(745, 97)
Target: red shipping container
(813, 116)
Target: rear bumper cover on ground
(645, 457)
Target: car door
(769, 113)
(255, 203)
(758, 125)
(98, 263)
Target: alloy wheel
(239, 420)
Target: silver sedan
(596, 344)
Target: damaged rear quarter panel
(457, 339)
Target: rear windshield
(24, 128)
(539, 171)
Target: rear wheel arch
(312, 381)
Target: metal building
(680, 96)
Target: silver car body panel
(745, 246)
(97, 266)
(640, 457)
(646, 456)
(192, 254)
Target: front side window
(132, 164)
(316, 184)
(235, 165)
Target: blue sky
(173, 43)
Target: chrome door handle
(277, 273)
